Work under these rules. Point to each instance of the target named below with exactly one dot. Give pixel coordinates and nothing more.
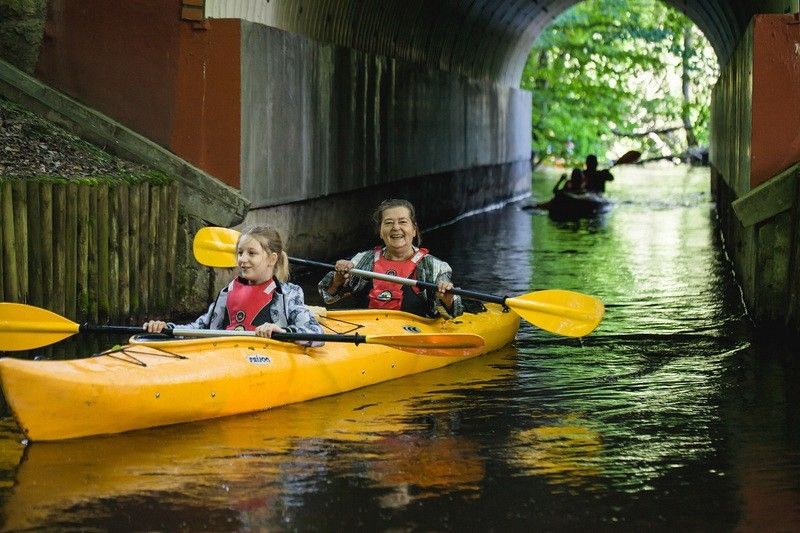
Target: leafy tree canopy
(612, 75)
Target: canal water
(676, 414)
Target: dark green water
(673, 416)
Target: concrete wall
(319, 119)
(333, 226)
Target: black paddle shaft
(94, 328)
(322, 337)
(461, 292)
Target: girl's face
(397, 229)
(256, 264)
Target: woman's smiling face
(398, 230)
(256, 264)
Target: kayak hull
(568, 206)
(151, 383)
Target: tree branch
(647, 132)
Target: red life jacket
(388, 295)
(246, 303)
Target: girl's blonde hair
(269, 239)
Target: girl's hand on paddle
(266, 330)
(154, 326)
(442, 293)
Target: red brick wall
(140, 64)
(775, 143)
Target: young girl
(260, 298)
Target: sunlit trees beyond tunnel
(613, 75)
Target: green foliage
(607, 70)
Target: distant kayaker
(396, 224)
(574, 184)
(260, 298)
(594, 179)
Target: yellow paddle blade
(216, 247)
(446, 344)
(24, 327)
(567, 313)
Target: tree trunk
(688, 48)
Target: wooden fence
(88, 251)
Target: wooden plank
(82, 267)
(124, 249)
(152, 239)
(768, 199)
(93, 308)
(162, 252)
(172, 243)
(103, 261)
(2, 250)
(58, 295)
(46, 221)
(20, 203)
(113, 253)
(35, 252)
(71, 259)
(144, 251)
(11, 279)
(134, 238)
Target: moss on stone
(35, 149)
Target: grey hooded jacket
(288, 310)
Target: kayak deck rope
(128, 354)
(355, 326)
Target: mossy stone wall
(21, 30)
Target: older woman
(401, 256)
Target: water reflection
(400, 437)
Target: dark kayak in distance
(573, 206)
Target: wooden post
(172, 243)
(2, 250)
(71, 259)
(20, 203)
(103, 262)
(155, 213)
(113, 252)
(144, 250)
(35, 251)
(82, 273)
(46, 236)
(11, 280)
(123, 241)
(93, 311)
(162, 251)
(135, 216)
(59, 248)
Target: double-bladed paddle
(24, 327)
(562, 312)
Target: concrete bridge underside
(314, 110)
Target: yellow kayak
(151, 383)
